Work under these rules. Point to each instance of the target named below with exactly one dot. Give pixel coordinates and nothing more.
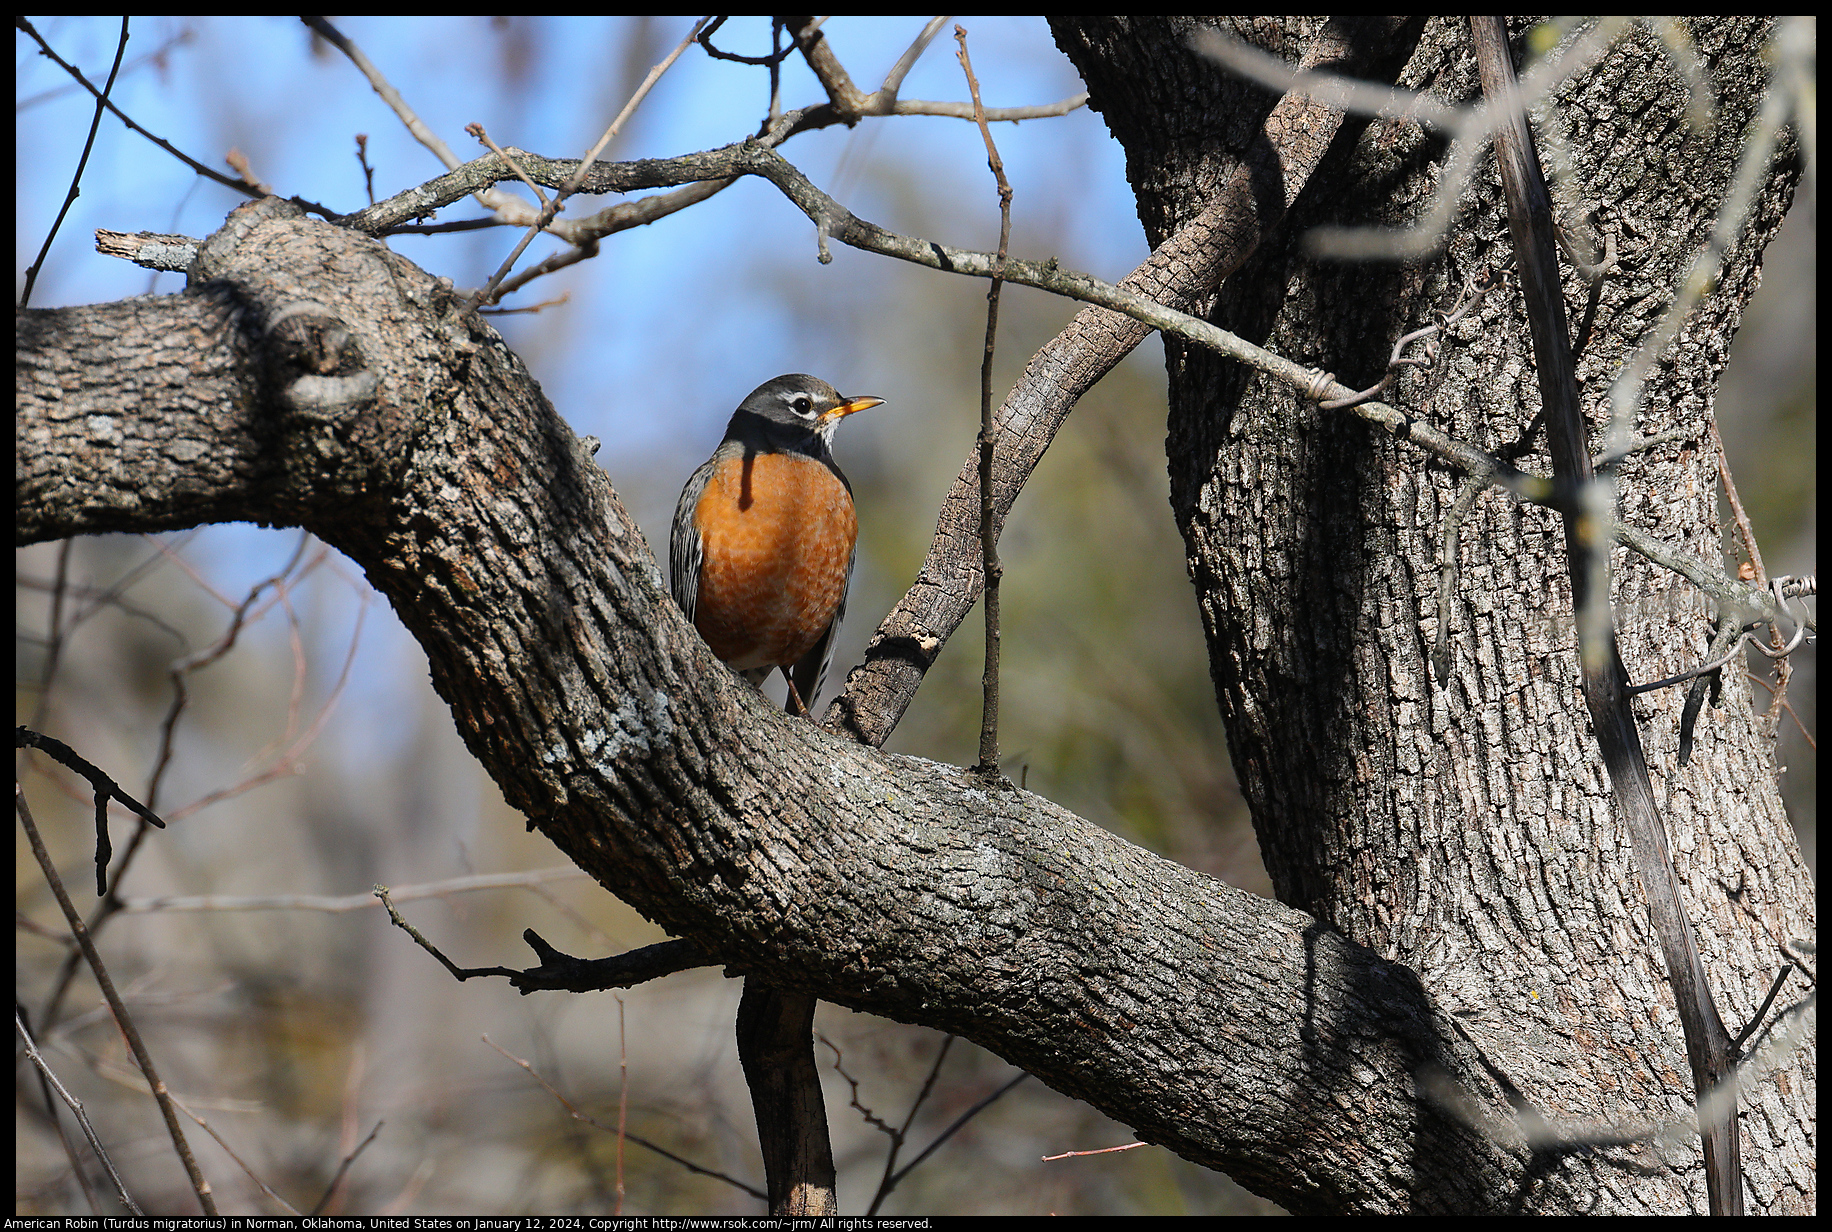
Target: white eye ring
(802, 405)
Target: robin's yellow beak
(864, 402)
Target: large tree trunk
(1462, 825)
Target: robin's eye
(803, 404)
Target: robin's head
(802, 402)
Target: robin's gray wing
(685, 546)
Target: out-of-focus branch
(1605, 680)
(353, 902)
(123, 1020)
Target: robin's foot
(795, 701)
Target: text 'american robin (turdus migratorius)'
(764, 535)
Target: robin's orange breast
(777, 532)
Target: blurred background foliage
(313, 758)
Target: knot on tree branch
(314, 364)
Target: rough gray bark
(1463, 826)
(775, 1046)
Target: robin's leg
(796, 706)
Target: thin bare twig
(380, 84)
(400, 921)
(1747, 532)
(629, 109)
(989, 436)
(995, 115)
(1719, 657)
(158, 56)
(362, 160)
(530, 880)
(898, 1134)
(247, 1169)
(871, 1118)
(1761, 1013)
(1788, 707)
(76, 1106)
(893, 80)
(483, 137)
(343, 1167)
(563, 972)
(54, 631)
(639, 1141)
(623, 1100)
(955, 1126)
(182, 668)
(1105, 1150)
(775, 57)
(200, 168)
(123, 1021)
(289, 759)
(488, 292)
(106, 790)
(76, 177)
(508, 208)
(850, 104)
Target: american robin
(764, 534)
